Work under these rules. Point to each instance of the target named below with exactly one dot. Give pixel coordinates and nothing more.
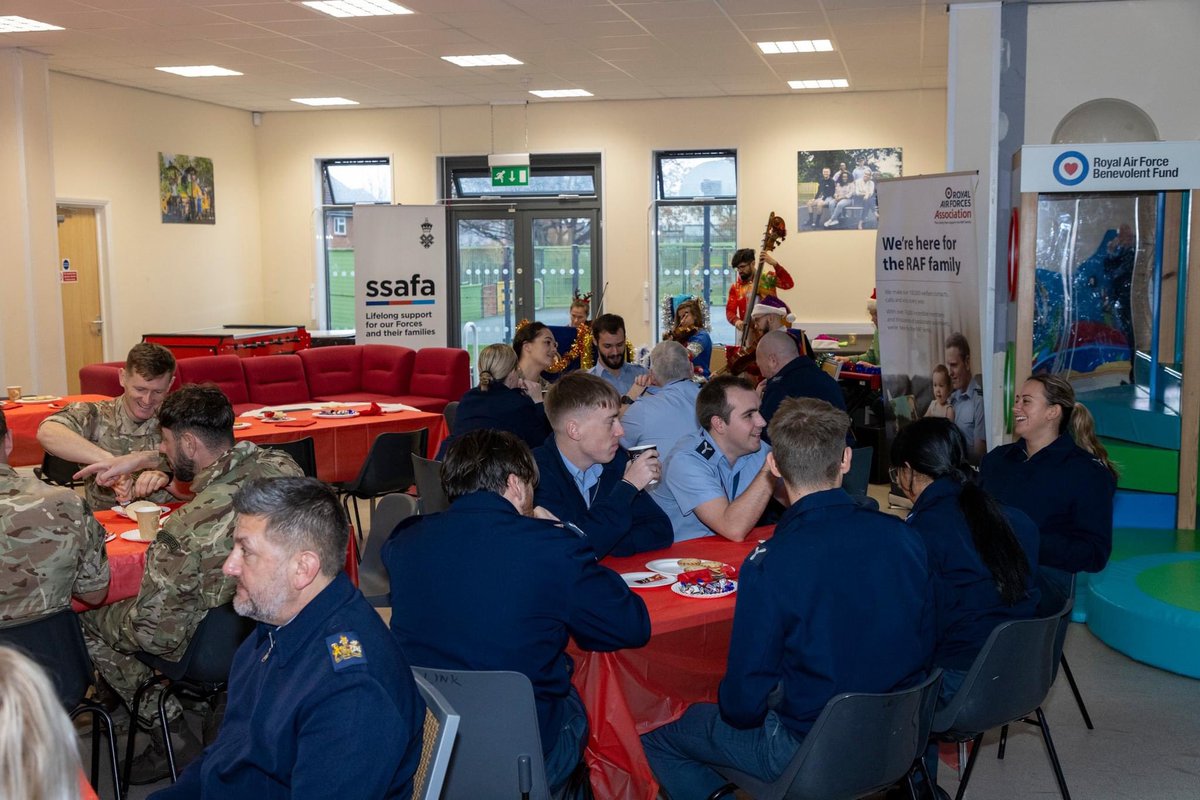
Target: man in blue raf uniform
(320, 676)
(588, 480)
(786, 373)
(838, 600)
(496, 584)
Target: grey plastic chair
(428, 475)
(856, 480)
(859, 745)
(1007, 683)
(441, 729)
(372, 575)
(450, 412)
(498, 752)
(302, 452)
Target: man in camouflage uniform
(117, 440)
(51, 547)
(183, 577)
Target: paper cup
(147, 520)
(14, 393)
(637, 452)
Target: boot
(152, 765)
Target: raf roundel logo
(1070, 168)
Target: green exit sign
(510, 176)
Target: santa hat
(772, 305)
(871, 302)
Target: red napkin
(296, 423)
(372, 410)
(6, 406)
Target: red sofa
(427, 379)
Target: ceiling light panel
(23, 25)
(206, 71)
(357, 8)
(494, 60)
(552, 93)
(796, 46)
(821, 83)
(324, 101)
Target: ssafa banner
(927, 286)
(401, 290)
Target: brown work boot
(152, 765)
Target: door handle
(97, 325)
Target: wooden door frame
(102, 208)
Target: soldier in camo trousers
(117, 440)
(51, 547)
(183, 578)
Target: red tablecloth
(631, 692)
(23, 421)
(342, 444)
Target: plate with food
(335, 413)
(37, 399)
(130, 510)
(241, 426)
(136, 536)
(276, 416)
(705, 589)
(109, 537)
(674, 566)
(647, 580)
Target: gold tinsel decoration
(581, 348)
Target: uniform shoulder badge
(705, 449)
(345, 650)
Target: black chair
(387, 469)
(372, 575)
(56, 644)
(856, 480)
(301, 451)
(1007, 683)
(859, 745)
(428, 477)
(58, 471)
(201, 673)
(450, 412)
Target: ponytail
(995, 542)
(485, 380)
(1083, 431)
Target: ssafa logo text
(1070, 168)
(414, 291)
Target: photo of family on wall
(185, 189)
(836, 188)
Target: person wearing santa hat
(772, 314)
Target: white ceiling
(616, 49)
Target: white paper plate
(678, 589)
(277, 419)
(109, 537)
(636, 580)
(670, 566)
(241, 426)
(121, 510)
(37, 400)
(135, 536)
(335, 415)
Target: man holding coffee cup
(585, 477)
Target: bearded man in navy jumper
(588, 480)
(839, 600)
(320, 675)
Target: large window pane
(695, 243)
(349, 181)
(339, 267)
(551, 184)
(562, 265)
(689, 175)
(344, 183)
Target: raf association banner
(927, 285)
(401, 291)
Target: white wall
(834, 271)
(161, 277)
(1144, 52)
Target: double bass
(741, 359)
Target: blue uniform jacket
(800, 377)
(481, 587)
(839, 600)
(1065, 491)
(621, 521)
(968, 604)
(503, 409)
(303, 700)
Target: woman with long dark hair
(983, 556)
(1059, 474)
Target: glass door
(484, 254)
(562, 262)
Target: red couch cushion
(104, 378)
(275, 380)
(332, 370)
(386, 369)
(441, 372)
(224, 371)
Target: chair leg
(102, 719)
(976, 743)
(925, 776)
(166, 730)
(1058, 773)
(962, 759)
(153, 680)
(1003, 742)
(1087, 719)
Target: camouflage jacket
(108, 425)
(183, 577)
(50, 548)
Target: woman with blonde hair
(1059, 474)
(39, 756)
(502, 401)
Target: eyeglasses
(894, 475)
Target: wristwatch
(626, 400)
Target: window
(346, 182)
(695, 210)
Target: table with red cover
(23, 420)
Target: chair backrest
(391, 511)
(302, 452)
(210, 653)
(428, 477)
(499, 750)
(441, 729)
(388, 466)
(862, 743)
(56, 644)
(1010, 677)
(225, 371)
(450, 412)
(59, 471)
(856, 480)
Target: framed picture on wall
(836, 188)
(185, 189)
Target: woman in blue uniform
(1059, 474)
(503, 400)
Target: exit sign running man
(510, 176)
